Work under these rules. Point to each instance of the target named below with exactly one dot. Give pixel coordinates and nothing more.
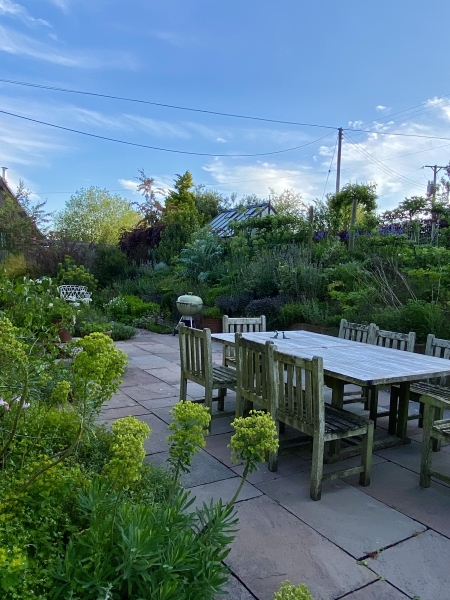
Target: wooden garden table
(365, 365)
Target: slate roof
(220, 224)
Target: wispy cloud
(129, 184)
(62, 4)
(11, 9)
(160, 128)
(381, 108)
(14, 42)
(175, 39)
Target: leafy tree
(340, 206)
(150, 208)
(208, 203)
(181, 218)
(36, 212)
(95, 216)
(288, 203)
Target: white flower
(4, 404)
(50, 305)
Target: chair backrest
(357, 332)
(397, 341)
(72, 293)
(196, 353)
(243, 324)
(441, 349)
(298, 390)
(252, 372)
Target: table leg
(403, 406)
(337, 399)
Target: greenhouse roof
(221, 223)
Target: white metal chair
(297, 399)
(197, 366)
(75, 294)
(239, 325)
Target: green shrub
(288, 591)
(109, 264)
(270, 307)
(163, 329)
(121, 331)
(213, 312)
(71, 274)
(130, 309)
(291, 313)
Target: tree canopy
(94, 215)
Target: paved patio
(389, 541)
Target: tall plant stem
(241, 485)
(23, 397)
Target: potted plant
(212, 319)
(62, 314)
(87, 327)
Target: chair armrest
(430, 400)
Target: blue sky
(349, 63)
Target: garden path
(389, 541)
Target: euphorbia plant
(254, 437)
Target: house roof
(221, 223)
(6, 191)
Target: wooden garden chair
(197, 366)
(239, 325)
(356, 332)
(252, 373)
(437, 388)
(434, 432)
(397, 341)
(297, 396)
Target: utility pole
(338, 168)
(436, 170)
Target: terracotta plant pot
(214, 324)
(63, 333)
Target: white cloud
(221, 140)
(13, 42)
(129, 184)
(175, 39)
(62, 4)
(160, 128)
(11, 9)
(381, 108)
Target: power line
(394, 133)
(377, 162)
(329, 170)
(136, 100)
(415, 113)
(108, 139)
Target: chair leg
(438, 415)
(273, 456)
(393, 408)
(317, 468)
(425, 464)
(221, 399)
(420, 423)
(183, 388)
(366, 456)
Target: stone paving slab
(119, 413)
(222, 490)
(157, 442)
(409, 456)
(416, 566)
(135, 376)
(219, 425)
(235, 590)
(287, 465)
(165, 374)
(205, 469)
(150, 391)
(273, 546)
(399, 488)
(345, 515)
(156, 403)
(119, 400)
(379, 590)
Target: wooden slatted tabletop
(353, 362)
